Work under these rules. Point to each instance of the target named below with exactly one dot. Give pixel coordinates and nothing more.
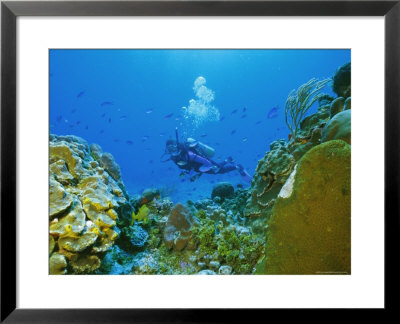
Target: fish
(222, 118)
(59, 118)
(182, 180)
(169, 116)
(273, 112)
(73, 111)
(244, 139)
(181, 163)
(116, 140)
(123, 117)
(151, 162)
(129, 142)
(109, 120)
(86, 127)
(78, 122)
(194, 189)
(145, 138)
(244, 109)
(141, 215)
(149, 111)
(243, 116)
(102, 131)
(80, 94)
(203, 135)
(233, 132)
(106, 103)
(162, 134)
(102, 116)
(234, 111)
(259, 122)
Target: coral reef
(294, 218)
(108, 163)
(58, 264)
(222, 190)
(347, 103)
(309, 230)
(337, 106)
(299, 101)
(271, 173)
(339, 127)
(133, 237)
(342, 81)
(219, 245)
(178, 228)
(85, 202)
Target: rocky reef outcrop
(342, 81)
(309, 228)
(271, 173)
(86, 198)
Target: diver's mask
(172, 149)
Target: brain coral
(223, 190)
(309, 230)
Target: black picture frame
(10, 10)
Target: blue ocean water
(131, 101)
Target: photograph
(199, 161)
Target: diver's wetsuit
(188, 159)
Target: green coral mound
(339, 127)
(309, 231)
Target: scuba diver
(194, 155)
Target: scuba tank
(202, 148)
(205, 149)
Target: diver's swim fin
(247, 177)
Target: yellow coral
(112, 213)
(141, 215)
(95, 230)
(111, 234)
